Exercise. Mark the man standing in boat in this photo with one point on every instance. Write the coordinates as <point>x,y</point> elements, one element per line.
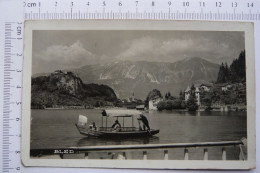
<point>145,122</point>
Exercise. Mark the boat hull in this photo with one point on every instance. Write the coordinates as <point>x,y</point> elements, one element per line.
<point>116,134</point>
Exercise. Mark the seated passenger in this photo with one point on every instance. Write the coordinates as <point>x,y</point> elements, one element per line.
<point>116,126</point>
<point>93,126</point>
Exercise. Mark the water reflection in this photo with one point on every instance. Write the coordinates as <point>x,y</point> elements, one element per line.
<point>56,128</point>
<point>91,141</point>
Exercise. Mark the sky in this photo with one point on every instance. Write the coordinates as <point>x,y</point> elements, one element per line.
<point>58,50</point>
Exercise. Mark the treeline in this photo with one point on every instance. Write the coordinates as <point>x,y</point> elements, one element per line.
<point>170,102</point>
<point>236,72</point>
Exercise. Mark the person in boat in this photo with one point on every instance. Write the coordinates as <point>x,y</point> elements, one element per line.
<point>93,126</point>
<point>145,122</point>
<point>116,126</point>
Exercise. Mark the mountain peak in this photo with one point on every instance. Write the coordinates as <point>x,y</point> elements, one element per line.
<point>141,77</point>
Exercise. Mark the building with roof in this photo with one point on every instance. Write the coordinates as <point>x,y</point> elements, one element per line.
<point>224,86</point>
<point>153,102</point>
<point>206,86</point>
<point>197,94</point>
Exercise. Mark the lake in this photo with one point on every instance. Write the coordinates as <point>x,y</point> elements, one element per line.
<point>56,129</point>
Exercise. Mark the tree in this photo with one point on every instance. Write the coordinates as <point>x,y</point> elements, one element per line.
<point>236,72</point>
<point>161,105</point>
<point>168,105</point>
<point>238,68</point>
<point>223,74</point>
<point>207,102</point>
<point>176,104</point>
<point>191,103</point>
<point>192,88</point>
<point>166,96</point>
<point>183,104</point>
<point>181,95</point>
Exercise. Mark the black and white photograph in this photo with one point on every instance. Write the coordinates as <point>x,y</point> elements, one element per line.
<point>165,92</point>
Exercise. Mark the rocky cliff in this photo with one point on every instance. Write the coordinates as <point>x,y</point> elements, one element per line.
<point>66,89</point>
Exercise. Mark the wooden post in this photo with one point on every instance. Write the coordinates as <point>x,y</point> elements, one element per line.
<point>166,156</point>
<point>224,154</point>
<point>124,155</point>
<point>186,154</point>
<point>145,155</point>
<point>241,154</point>
<point>86,155</point>
<point>61,156</point>
<point>206,154</point>
<point>106,123</point>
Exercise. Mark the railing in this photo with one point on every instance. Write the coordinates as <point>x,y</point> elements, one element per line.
<point>121,129</point>
<point>84,151</point>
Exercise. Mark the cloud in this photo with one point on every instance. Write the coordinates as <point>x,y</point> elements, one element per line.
<point>74,52</point>
<point>170,50</point>
<point>62,57</point>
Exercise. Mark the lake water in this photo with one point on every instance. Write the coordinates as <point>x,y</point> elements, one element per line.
<point>56,129</point>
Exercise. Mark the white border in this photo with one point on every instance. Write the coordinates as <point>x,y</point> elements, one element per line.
<point>248,28</point>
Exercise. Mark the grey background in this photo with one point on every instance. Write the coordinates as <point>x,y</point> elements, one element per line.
<point>54,50</point>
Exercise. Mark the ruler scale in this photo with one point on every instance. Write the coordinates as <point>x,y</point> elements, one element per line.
<point>240,10</point>
<point>12,94</point>
<point>11,42</point>
<point>14,12</point>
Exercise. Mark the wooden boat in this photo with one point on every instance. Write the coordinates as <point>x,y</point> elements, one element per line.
<point>112,132</point>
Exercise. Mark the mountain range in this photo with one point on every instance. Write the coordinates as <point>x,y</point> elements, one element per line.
<point>128,78</point>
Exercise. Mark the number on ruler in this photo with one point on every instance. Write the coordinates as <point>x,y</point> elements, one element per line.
<point>19,30</point>
<point>18,103</point>
<point>17,152</point>
<point>56,4</point>
<point>218,4</point>
<point>250,4</point>
<point>169,3</point>
<point>120,3</point>
<point>31,4</point>
<point>88,3</point>
<point>153,3</point>
<point>202,4</point>
<point>234,4</point>
<point>71,4</point>
<point>136,3</point>
<point>186,4</point>
<point>104,3</point>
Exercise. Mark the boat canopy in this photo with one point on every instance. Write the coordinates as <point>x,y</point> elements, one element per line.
<point>120,113</point>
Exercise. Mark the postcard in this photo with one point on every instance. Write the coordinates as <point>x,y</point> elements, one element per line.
<point>139,94</point>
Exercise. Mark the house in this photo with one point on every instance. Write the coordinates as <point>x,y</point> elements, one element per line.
<point>197,94</point>
<point>140,107</point>
<point>224,86</point>
<point>206,87</point>
<point>187,93</point>
<point>153,102</point>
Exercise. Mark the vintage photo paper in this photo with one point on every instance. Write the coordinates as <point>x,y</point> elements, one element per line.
<point>139,94</point>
